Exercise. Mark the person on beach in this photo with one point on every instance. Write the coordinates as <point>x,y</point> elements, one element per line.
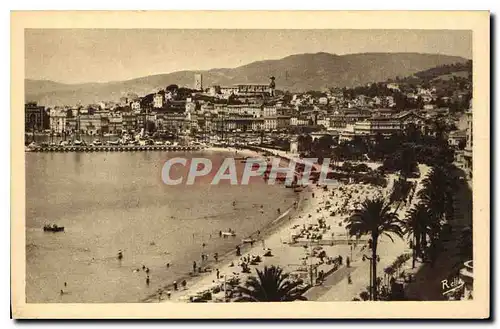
<point>160,292</point>
<point>65,284</point>
<point>238,251</point>
<point>168,265</point>
<point>147,270</point>
<point>194,267</point>
<point>220,234</point>
<point>143,267</point>
<point>120,255</point>
<point>183,283</point>
<point>349,280</point>
<point>175,285</point>
<point>216,257</point>
<point>218,274</point>
<point>147,280</point>
<point>169,294</point>
<point>348,262</point>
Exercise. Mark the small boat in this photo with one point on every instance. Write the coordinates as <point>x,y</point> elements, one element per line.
<point>228,234</point>
<point>248,240</point>
<point>53,228</point>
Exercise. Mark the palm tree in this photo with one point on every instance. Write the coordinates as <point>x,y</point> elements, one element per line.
<point>271,285</point>
<point>375,218</point>
<point>415,227</point>
<point>305,143</point>
<point>437,196</point>
<point>441,184</point>
<point>439,129</point>
<point>400,191</point>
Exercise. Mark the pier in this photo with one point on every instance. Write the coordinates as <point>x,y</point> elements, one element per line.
<point>114,148</point>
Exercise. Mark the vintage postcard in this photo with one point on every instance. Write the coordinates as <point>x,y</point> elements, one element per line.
<point>186,165</point>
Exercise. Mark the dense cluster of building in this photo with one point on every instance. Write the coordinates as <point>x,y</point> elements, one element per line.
<point>247,108</point>
<point>463,157</point>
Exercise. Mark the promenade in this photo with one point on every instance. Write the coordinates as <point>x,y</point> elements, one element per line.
<point>292,251</point>
<point>336,286</point>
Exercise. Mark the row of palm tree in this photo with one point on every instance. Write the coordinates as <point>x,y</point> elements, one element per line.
<point>425,221</point>
<point>375,218</point>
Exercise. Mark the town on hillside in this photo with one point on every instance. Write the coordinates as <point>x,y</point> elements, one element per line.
<point>341,178</point>
<point>434,101</point>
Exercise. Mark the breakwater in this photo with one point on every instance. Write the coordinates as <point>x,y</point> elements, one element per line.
<point>107,148</point>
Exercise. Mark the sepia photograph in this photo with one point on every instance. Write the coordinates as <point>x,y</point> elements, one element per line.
<point>171,166</point>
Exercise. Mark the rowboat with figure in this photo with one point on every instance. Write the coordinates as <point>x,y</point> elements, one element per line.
<point>53,228</point>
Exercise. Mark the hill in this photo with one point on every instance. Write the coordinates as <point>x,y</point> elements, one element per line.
<point>294,73</point>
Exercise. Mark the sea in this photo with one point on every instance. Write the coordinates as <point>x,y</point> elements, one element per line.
<point>116,201</point>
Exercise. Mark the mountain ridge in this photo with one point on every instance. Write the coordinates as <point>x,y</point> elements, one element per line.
<point>296,73</point>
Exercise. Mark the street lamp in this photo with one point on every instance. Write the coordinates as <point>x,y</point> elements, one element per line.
<point>372,287</point>
<point>225,288</point>
<point>309,251</point>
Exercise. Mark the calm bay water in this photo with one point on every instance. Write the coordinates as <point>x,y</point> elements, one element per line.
<point>112,201</point>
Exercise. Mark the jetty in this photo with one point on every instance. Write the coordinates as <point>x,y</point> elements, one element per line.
<point>111,148</point>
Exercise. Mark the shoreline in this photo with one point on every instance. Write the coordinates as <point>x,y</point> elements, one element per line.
<point>266,231</point>
<point>272,227</point>
<point>317,204</point>
<point>270,238</point>
<point>124,285</point>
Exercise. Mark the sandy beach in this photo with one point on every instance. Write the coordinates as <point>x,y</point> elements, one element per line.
<point>309,240</point>
<point>306,240</point>
<point>209,266</point>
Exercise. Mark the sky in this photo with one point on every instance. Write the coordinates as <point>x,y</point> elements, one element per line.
<point>101,55</point>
